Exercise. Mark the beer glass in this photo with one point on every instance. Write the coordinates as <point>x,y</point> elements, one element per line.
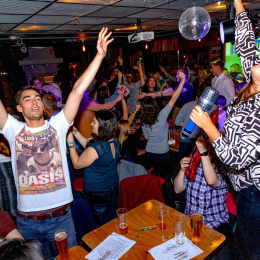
<point>161,210</point>
<point>196,227</point>
<point>61,241</point>
<point>121,218</point>
<point>179,229</point>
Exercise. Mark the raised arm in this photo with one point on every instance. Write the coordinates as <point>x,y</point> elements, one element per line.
<point>3,115</point>
<point>179,184</point>
<point>178,90</point>
<point>132,116</point>
<point>245,45</point>
<point>72,104</point>
<point>82,140</point>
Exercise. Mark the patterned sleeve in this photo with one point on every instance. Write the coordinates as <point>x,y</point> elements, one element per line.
<point>246,48</point>
<point>246,151</point>
<point>221,171</point>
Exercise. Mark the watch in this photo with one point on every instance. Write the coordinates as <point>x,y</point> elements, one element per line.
<point>204,154</point>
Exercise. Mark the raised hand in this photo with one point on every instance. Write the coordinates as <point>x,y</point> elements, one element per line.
<point>120,60</point>
<point>103,41</point>
<point>119,97</point>
<point>182,76</point>
<point>137,107</point>
<point>200,118</point>
<point>163,70</point>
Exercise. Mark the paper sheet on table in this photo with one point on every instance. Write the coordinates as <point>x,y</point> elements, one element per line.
<point>112,248</point>
<point>170,250</point>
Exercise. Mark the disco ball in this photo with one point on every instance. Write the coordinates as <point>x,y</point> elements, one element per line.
<point>194,23</point>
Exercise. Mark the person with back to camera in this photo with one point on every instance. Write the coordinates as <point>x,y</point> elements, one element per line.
<point>155,129</point>
<point>101,181</point>
<point>240,147</point>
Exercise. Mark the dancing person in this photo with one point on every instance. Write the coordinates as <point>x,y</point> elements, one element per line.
<point>155,129</point>
<point>239,148</point>
<point>42,180</point>
<point>99,160</point>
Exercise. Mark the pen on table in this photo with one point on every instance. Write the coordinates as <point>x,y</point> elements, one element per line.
<point>146,228</point>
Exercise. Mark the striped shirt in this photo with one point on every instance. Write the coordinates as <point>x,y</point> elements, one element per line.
<point>207,200</point>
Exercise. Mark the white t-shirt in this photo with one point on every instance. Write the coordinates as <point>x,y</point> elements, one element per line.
<point>39,163</point>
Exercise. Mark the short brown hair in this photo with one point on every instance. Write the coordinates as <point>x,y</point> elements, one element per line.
<point>218,63</point>
<point>21,90</point>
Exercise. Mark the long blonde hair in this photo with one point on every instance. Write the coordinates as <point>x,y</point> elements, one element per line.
<point>122,131</point>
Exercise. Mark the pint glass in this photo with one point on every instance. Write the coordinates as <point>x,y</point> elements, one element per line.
<point>61,241</point>
<point>196,227</point>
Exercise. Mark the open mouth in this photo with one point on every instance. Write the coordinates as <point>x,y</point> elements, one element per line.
<point>36,109</point>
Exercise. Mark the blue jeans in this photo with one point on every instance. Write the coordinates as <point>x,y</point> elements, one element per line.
<point>44,230</point>
<point>248,219</point>
<point>83,217</point>
<point>104,203</point>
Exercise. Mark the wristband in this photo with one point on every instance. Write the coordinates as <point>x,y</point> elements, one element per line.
<point>204,154</point>
<point>68,143</point>
<point>71,146</point>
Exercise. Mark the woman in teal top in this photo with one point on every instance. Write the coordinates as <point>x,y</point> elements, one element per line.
<point>101,181</point>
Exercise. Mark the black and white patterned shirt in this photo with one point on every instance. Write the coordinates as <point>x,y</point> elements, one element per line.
<point>246,48</point>
<point>240,148</point>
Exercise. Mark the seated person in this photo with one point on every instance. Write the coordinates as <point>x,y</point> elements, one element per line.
<point>207,193</point>
<point>8,228</point>
<point>221,103</point>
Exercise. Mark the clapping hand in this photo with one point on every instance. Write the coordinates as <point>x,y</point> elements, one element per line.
<point>103,41</point>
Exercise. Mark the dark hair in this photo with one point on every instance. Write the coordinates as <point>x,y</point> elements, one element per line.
<point>32,81</point>
<point>245,93</point>
<point>107,127</point>
<point>156,88</point>
<point>57,79</point>
<point>21,90</point>
<point>221,100</point>
<point>199,92</point>
<point>149,112</point>
<point>20,250</point>
<point>186,71</point>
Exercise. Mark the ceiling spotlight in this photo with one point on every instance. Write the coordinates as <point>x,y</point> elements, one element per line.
<point>227,31</point>
<point>83,46</point>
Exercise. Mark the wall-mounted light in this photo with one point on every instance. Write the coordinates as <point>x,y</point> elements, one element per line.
<point>199,40</point>
<point>146,46</point>
<point>83,46</point>
<point>219,2</point>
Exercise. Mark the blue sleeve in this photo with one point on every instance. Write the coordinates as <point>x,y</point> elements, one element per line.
<point>113,97</point>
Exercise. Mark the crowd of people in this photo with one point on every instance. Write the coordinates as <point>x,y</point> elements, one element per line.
<point>104,130</point>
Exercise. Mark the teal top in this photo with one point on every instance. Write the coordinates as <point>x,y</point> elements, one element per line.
<point>102,173</point>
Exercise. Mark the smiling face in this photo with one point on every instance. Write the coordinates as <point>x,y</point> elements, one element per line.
<point>151,84</point>
<point>95,125</point>
<point>31,105</point>
<point>37,83</point>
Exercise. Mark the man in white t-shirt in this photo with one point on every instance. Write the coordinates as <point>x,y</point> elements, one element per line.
<point>221,82</point>
<point>38,147</point>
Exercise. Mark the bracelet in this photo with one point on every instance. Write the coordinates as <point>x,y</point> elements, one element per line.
<point>71,146</point>
<point>68,143</point>
<point>204,154</point>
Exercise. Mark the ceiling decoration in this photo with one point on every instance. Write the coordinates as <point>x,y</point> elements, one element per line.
<point>70,18</point>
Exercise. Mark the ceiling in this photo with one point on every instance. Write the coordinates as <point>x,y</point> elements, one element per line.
<point>82,19</point>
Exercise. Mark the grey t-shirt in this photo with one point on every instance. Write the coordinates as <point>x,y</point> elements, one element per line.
<point>184,116</point>
<point>158,133</point>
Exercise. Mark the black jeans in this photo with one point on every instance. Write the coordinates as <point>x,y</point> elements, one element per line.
<point>248,218</point>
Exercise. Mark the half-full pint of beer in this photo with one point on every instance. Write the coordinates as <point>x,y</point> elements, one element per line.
<point>196,227</point>
<point>61,241</point>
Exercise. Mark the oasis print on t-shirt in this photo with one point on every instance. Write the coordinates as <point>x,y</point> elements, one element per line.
<point>39,162</point>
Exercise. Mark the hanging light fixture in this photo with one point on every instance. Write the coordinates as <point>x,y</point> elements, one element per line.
<point>83,46</point>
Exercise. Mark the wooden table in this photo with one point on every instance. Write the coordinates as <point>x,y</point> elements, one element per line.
<point>76,253</point>
<point>145,215</point>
